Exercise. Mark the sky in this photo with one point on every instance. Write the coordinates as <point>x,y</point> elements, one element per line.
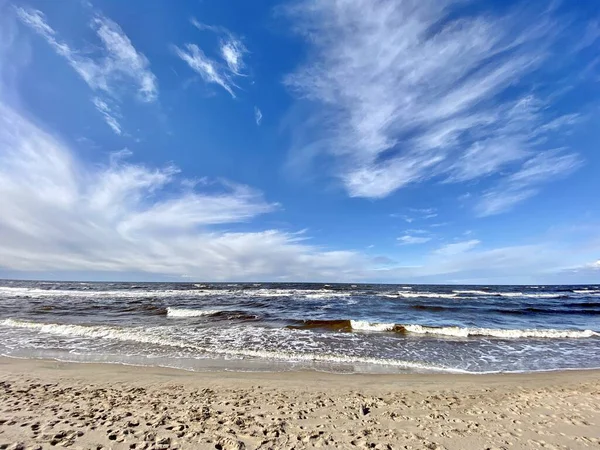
<point>414,141</point>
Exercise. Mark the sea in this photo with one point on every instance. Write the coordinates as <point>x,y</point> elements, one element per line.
<point>342,328</point>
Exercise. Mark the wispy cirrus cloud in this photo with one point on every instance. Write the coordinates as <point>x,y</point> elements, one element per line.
<point>110,116</point>
<point>457,248</point>
<point>408,239</point>
<point>119,60</point>
<point>117,65</point>
<point>258,115</point>
<point>416,91</point>
<point>231,48</point>
<point>418,214</point>
<point>527,181</point>
<point>208,69</point>
<point>231,51</point>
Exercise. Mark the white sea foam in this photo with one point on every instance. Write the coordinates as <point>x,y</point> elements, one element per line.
<point>586,291</point>
<point>40,293</point>
<point>528,295</point>
<point>426,295</point>
<point>473,292</point>
<point>363,325</point>
<point>510,294</point>
<point>6,291</point>
<point>500,333</point>
<point>145,336</point>
<point>185,312</point>
<point>324,295</point>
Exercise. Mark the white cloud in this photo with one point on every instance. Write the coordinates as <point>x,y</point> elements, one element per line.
<point>457,248</point>
<point>231,51</point>
<point>118,64</point>
<point>231,47</point>
<point>409,91</point>
<point>526,182</point>
<point>59,214</point>
<point>408,239</point>
<point>208,69</point>
<point>122,60</point>
<point>257,115</point>
<point>109,115</point>
<point>119,61</point>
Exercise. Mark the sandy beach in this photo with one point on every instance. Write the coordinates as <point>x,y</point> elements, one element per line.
<point>92,406</point>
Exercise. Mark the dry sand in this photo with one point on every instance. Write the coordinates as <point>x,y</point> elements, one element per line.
<point>46,403</point>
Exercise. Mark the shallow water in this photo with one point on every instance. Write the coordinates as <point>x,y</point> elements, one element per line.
<point>284,326</point>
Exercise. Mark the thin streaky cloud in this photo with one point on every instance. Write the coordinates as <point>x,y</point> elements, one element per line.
<point>119,61</point>
<point>410,91</point>
<point>409,240</point>
<point>527,181</point>
<point>109,115</point>
<point>258,116</point>
<point>456,248</point>
<point>231,50</point>
<point>124,59</point>
<point>204,27</point>
<point>208,69</point>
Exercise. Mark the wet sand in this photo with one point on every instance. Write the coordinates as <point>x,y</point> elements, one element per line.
<point>47,404</point>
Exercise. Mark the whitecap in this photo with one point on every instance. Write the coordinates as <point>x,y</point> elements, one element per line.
<point>185,312</point>
<point>500,333</point>
<point>363,325</point>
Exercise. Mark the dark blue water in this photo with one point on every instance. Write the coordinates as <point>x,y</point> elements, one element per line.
<point>284,326</point>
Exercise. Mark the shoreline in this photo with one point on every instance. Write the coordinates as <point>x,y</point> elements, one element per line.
<point>80,367</point>
<point>87,405</point>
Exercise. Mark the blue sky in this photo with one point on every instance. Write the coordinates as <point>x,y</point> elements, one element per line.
<point>305,140</point>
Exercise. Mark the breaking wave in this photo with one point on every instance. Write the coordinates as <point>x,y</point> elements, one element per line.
<point>563,293</point>
<point>202,291</point>
<point>580,308</point>
<point>422,295</point>
<point>499,333</point>
<point>183,313</point>
<point>362,325</point>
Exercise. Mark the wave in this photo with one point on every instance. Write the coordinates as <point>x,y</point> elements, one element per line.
<point>144,336</point>
<point>563,294</point>
<point>138,293</point>
<point>470,294</point>
<point>473,292</point>
<point>584,309</point>
<point>422,295</point>
<point>6,291</point>
<point>183,313</point>
<point>362,325</point>
<point>332,325</point>
<point>528,295</point>
<point>431,307</point>
<point>499,333</point>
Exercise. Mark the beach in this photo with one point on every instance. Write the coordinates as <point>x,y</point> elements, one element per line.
<point>46,404</point>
